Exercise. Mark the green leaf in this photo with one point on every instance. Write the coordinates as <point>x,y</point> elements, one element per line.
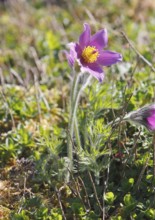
<point>128,199</point>
<point>109,197</point>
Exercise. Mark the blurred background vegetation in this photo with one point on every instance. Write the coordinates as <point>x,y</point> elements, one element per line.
<point>113,175</point>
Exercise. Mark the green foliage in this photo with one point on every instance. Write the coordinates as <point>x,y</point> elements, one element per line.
<point>109,198</point>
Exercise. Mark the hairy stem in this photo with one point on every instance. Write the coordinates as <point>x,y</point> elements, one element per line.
<point>77,134</point>
<point>75,97</point>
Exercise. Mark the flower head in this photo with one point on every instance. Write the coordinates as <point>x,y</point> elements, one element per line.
<point>144,116</point>
<point>90,54</point>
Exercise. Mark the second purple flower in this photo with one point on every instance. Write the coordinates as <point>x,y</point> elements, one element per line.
<point>143,116</point>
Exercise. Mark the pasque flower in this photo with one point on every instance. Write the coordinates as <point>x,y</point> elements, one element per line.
<point>90,54</point>
<point>144,116</point>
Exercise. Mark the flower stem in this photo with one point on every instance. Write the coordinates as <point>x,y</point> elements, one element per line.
<point>77,135</point>
<point>74,88</point>
<point>74,102</point>
<point>75,97</point>
<point>75,105</point>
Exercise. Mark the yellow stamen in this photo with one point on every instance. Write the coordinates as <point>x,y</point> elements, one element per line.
<point>90,54</point>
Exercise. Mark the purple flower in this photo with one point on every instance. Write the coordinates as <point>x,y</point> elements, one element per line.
<point>90,54</point>
<point>144,116</point>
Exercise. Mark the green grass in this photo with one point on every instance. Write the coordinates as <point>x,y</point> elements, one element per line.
<point>114,169</point>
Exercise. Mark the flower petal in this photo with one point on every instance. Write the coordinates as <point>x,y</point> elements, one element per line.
<point>70,58</point>
<point>100,39</point>
<point>107,58</point>
<point>95,70</point>
<point>71,55</point>
<point>151,121</point>
<point>78,50</point>
<point>85,36</point>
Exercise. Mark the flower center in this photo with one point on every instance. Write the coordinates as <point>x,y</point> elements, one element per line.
<point>90,54</point>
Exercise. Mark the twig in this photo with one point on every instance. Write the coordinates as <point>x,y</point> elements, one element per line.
<point>37,61</point>
<point>118,121</point>
<point>86,194</point>
<point>78,193</point>
<point>95,192</point>
<point>105,183</point>
<point>90,15</point>
<point>42,96</point>
<point>36,84</point>
<point>5,100</point>
<point>60,203</point>
<point>141,173</point>
<point>17,76</point>
<point>138,53</point>
<point>24,194</point>
<point>105,188</point>
<point>132,74</point>
<point>133,150</point>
